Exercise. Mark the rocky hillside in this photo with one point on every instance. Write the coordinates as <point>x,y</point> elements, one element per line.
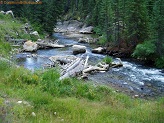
<point>13,33</point>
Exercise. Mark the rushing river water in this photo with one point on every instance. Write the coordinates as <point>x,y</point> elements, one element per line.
<point>134,76</point>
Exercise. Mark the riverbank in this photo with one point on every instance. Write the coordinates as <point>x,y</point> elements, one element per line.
<point>41,97</point>
<point>133,78</point>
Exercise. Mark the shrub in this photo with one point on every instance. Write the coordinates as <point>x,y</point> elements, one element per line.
<point>102,40</point>
<point>146,50</point>
<point>107,60</point>
<point>97,30</point>
<point>159,62</point>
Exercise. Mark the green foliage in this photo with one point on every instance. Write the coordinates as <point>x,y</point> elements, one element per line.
<point>102,40</point>
<point>107,60</point>
<point>3,65</point>
<point>5,48</point>
<point>67,87</point>
<point>145,50</point>
<point>159,62</point>
<point>98,30</point>
<point>43,15</point>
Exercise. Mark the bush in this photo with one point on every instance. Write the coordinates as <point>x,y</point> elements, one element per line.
<point>159,62</point>
<point>107,60</point>
<point>97,30</point>
<point>146,50</point>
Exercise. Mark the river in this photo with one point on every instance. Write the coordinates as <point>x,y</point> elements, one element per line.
<point>133,76</point>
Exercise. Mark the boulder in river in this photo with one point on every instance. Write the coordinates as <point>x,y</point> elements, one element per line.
<point>83,40</point>
<point>30,46</point>
<point>98,50</point>
<point>49,45</point>
<point>87,30</point>
<point>78,49</point>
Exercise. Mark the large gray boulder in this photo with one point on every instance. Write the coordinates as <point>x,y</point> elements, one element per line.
<point>30,46</point>
<point>98,50</point>
<point>83,40</point>
<point>87,30</point>
<point>78,49</point>
<point>68,26</point>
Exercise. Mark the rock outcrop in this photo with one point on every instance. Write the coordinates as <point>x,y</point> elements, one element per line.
<point>68,26</point>
<point>98,50</point>
<point>30,46</point>
<point>87,30</point>
<point>78,49</point>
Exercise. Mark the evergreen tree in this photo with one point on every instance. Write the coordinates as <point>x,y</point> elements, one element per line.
<point>137,21</point>
<point>158,24</point>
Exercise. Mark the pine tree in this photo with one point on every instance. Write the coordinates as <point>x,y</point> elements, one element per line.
<point>158,24</point>
<point>137,21</point>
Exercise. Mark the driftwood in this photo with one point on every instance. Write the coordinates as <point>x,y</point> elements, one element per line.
<point>50,45</point>
<point>72,66</point>
<point>116,65</point>
<point>99,67</point>
<point>64,59</point>
<point>76,68</point>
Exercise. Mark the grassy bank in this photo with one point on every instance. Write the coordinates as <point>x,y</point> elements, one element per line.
<point>14,28</point>
<point>70,100</point>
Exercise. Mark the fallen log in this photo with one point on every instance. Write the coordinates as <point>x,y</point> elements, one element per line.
<point>86,62</point>
<point>72,66</point>
<point>51,45</point>
<point>94,68</point>
<point>73,70</point>
<point>116,65</point>
<point>62,59</point>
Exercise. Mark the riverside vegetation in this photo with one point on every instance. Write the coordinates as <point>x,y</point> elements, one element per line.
<point>40,96</point>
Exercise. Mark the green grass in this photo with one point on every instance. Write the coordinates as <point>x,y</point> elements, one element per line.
<point>12,27</point>
<point>73,100</point>
<point>108,60</point>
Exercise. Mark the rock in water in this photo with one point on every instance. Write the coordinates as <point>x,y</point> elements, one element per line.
<point>30,46</point>
<point>87,30</point>
<point>98,50</point>
<point>78,49</point>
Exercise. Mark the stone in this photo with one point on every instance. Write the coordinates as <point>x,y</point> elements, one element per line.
<point>9,13</point>
<point>136,96</point>
<point>98,50</point>
<point>33,114</point>
<point>35,33</point>
<point>78,49</point>
<point>87,30</point>
<point>30,46</point>
<point>39,40</point>
<point>19,102</point>
<point>83,40</point>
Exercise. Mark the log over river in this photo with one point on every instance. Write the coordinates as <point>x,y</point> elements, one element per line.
<point>133,77</point>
